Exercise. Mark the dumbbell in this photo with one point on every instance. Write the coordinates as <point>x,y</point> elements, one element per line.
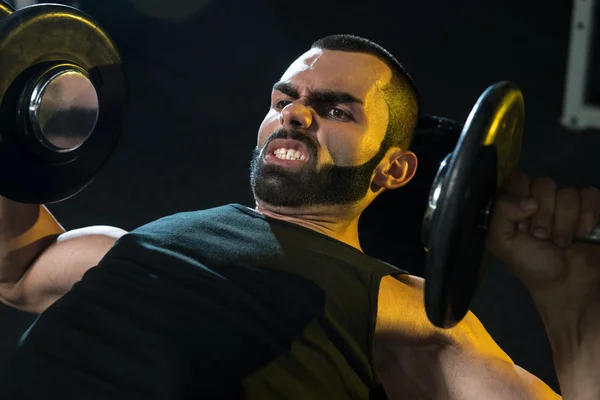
<point>62,101</point>
<point>461,199</point>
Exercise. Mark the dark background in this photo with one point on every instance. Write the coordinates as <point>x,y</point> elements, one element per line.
<point>200,73</point>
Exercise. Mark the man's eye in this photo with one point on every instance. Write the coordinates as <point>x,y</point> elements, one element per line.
<point>281,104</point>
<point>338,114</point>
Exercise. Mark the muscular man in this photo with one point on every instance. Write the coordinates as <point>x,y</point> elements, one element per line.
<point>279,301</point>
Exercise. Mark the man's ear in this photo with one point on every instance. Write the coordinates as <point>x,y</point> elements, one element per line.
<point>396,169</point>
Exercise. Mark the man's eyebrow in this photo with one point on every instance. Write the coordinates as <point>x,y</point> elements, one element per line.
<point>286,89</point>
<point>320,96</point>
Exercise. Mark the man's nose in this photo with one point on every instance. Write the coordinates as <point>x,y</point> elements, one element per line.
<point>294,116</point>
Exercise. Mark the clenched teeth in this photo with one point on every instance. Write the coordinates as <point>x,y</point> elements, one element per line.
<point>289,154</point>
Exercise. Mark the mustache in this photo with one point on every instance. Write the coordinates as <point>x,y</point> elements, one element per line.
<point>297,135</point>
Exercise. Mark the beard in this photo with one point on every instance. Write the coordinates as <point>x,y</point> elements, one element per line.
<point>309,186</point>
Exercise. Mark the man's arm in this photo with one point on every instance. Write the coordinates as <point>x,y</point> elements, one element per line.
<point>571,318</point>
<point>418,360</point>
<point>561,272</point>
<point>39,261</point>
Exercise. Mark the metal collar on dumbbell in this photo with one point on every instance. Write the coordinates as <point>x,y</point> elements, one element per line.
<point>62,108</point>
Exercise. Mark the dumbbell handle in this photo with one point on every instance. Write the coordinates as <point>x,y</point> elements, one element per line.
<point>593,237</point>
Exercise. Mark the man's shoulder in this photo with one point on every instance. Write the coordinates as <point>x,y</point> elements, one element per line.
<point>189,218</point>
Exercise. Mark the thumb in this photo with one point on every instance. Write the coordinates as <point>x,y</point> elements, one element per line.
<point>508,212</point>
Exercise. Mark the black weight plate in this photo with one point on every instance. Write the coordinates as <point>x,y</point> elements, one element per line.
<point>483,157</point>
<point>49,34</point>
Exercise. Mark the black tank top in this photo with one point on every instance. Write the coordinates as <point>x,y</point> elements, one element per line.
<point>221,303</point>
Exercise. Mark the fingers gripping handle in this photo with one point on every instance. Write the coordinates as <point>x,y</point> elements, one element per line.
<point>593,237</point>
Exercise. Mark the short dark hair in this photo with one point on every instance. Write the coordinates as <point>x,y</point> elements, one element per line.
<point>401,94</point>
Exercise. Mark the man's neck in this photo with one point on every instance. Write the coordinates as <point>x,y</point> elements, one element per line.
<point>337,222</point>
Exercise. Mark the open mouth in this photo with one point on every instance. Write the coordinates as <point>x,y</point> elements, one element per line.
<point>287,150</point>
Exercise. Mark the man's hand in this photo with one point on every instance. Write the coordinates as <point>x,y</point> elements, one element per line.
<point>533,231</point>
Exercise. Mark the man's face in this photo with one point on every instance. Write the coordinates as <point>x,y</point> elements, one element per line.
<point>320,141</point>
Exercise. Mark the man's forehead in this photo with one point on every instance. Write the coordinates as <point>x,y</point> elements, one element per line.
<point>338,70</point>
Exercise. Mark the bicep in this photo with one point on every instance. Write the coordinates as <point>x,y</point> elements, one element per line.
<point>496,364</point>
<point>458,375</point>
<point>462,371</point>
<point>60,266</point>
<point>468,332</point>
<point>463,362</point>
